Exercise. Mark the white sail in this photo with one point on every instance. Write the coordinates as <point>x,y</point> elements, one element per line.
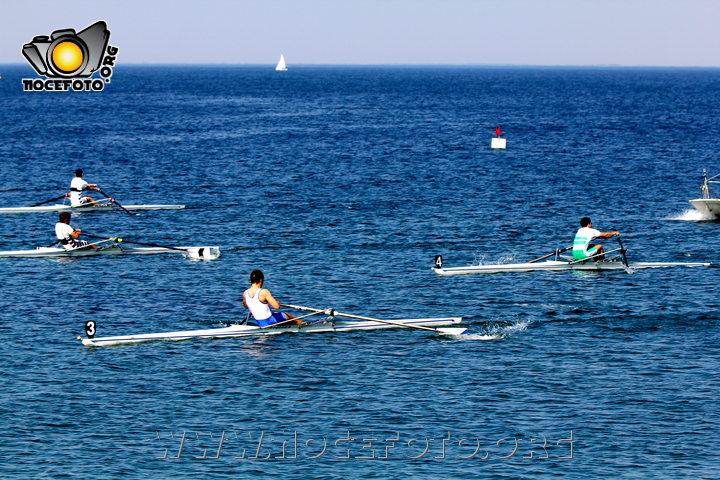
<point>281,64</point>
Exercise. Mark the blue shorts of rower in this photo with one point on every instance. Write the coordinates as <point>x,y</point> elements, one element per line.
<point>276,317</point>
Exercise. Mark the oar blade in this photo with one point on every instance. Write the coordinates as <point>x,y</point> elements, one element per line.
<point>203,253</point>
<point>452,331</point>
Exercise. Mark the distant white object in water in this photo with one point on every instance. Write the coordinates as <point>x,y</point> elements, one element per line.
<point>281,64</point>
<point>707,203</point>
<point>497,142</point>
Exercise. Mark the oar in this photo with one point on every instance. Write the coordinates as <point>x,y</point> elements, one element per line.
<point>556,252</point>
<point>112,200</point>
<point>442,331</point>
<point>622,252</point>
<point>294,319</point>
<point>195,252</point>
<point>51,200</point>
<point>115,239</point>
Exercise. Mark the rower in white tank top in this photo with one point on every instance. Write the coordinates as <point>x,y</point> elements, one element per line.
<point>259,301</point>
<point>260,310</point>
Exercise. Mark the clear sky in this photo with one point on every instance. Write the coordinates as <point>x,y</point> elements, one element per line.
<point>451,32</point>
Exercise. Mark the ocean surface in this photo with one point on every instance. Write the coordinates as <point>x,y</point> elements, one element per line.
<point>341,184</point>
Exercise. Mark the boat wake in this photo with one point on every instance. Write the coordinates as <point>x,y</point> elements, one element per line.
<point>693,215</point>
<point>477,336</point>
<point>499,331</point>
<point>480,260</point>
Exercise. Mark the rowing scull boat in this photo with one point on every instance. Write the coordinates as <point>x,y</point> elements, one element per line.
<point>207,253</point>
<point>326,325</point>
<point>618,261</point>
<point>102,207</point>
<point>558,265</point>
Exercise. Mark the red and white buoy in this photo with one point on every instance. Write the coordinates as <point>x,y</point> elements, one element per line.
<point>497,142</point>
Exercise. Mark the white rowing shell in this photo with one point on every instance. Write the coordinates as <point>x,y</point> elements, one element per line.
<point>555,265</point>
<point>87,208</point>
<point>208,253</point>
<point>247,330</point>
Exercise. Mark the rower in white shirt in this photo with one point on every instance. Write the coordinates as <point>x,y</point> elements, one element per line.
<point>68,236</point>
<point>582,248</point>
<point>76,188</point>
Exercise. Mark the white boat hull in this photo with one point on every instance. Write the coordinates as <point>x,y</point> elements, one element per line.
<point>252,330</point>
<point>707,205</point>
<point>103,207</point>
<point>557,265</point>
<point>193,252</point>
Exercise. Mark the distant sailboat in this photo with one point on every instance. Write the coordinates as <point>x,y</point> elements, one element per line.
<point>281,64</point>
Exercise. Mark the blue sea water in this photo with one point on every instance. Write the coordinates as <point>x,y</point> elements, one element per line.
<point>342,184</point>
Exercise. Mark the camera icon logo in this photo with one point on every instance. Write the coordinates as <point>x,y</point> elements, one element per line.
<point>68,54</point>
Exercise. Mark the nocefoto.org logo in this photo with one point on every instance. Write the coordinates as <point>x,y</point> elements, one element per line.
<point>68,59</point>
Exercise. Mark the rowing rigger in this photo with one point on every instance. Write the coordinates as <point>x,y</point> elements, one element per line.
<point>560,263</point>
<point>323,325</point>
